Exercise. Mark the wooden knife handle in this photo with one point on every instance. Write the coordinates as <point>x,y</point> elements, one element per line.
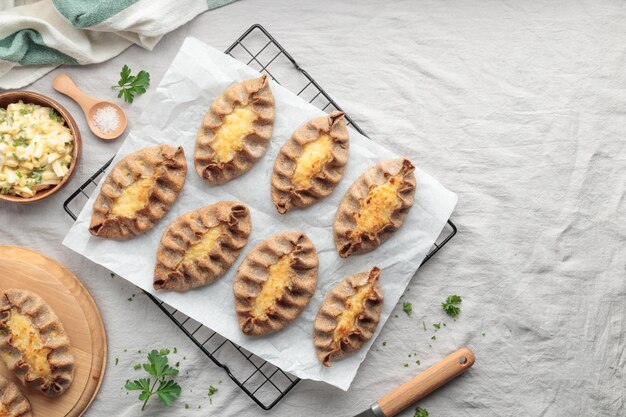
<point>426,382</point>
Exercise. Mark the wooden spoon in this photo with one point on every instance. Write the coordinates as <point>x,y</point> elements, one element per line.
<point>64,84</point>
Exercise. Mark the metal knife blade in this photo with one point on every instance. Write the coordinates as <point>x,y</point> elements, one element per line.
<point>373,411</point>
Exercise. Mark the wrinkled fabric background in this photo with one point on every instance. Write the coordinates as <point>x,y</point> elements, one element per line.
<point>519,107</point>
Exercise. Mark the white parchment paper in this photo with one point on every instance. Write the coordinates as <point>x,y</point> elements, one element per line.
<point>196,77</point>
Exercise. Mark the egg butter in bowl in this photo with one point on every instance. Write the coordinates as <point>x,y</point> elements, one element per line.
<point>40,146</point>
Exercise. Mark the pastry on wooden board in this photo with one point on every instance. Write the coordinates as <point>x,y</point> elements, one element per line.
<point>138,192</point>
<point>200,246</point>
<point>275,282</point>
<point>13,403</point>
<point>236,131</point>
<point>374,207</point>
<point>34,344</point>
<point>348,316</point>
<point>311,163</point>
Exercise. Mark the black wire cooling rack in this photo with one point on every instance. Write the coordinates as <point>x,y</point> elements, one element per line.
<point>263,382</point>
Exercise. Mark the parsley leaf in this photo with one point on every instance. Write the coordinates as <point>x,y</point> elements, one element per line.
<point>55,116</point>
<point>167,391</point>
<point>408,308</point>
<point>212,390</point>
<point>131,85</point>
<point>20,142</point>
<point>450,307</point>
<point>35,177</point>
<point>421,412</point>
<point>5,190</point>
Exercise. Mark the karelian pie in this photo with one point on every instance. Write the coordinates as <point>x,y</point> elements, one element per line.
<point>275,282</point>
<point>236,131</point>
<point>33,343</point>
<point>138,192</point>
<point>348,317</point>
<point>200,246</point>
<point>374,207</point>
<point>12,402</point>
<point>311,163</point>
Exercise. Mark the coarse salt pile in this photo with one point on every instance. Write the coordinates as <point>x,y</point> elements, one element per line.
<point>106,119</point>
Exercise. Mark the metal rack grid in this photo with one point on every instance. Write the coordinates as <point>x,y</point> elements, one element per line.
<point>263,382</point>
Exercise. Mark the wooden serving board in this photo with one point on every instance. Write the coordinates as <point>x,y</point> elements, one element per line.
<point>72,303</point>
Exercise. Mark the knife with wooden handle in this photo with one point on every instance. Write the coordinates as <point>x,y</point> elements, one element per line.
<point>423,384</point>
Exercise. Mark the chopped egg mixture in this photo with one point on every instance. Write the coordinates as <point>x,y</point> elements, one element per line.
<point>229,136</point>
<point>310,162</point>
<point>205,244</point>
<point>35,149</point>
<point>26,338</point>
<point>133,198</point>
<point>354,307</point>
<point>376,209</point>
<point>280,277</point>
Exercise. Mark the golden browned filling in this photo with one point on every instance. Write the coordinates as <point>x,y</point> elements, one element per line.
<point>133,198</point>
<point>206,243</point>
<point>353,308</point>
<point>376,209</point>
<point>25,337</point>
<point>280,278</point>
<point>310,162</point>
<point>229,136</point>
<point>4,411</point>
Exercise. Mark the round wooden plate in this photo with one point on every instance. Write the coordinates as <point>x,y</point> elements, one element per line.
<point>72,303</point>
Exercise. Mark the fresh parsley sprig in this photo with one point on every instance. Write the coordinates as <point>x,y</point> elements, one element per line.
<point>450,305</point>
<point>407,307</point>
<point>131,85</point>
<point>166,389</point>
<point>421,412</point>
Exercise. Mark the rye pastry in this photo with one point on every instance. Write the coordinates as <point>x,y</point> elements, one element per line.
<point>33,343</point>
<point>12,402</point>
<point>275,282</point>
<point>348,317</point>
<point>200,246</point>
<point>138,192</point>
<point>236,131</point>
<point>311,163</point>
<point>374,207</point>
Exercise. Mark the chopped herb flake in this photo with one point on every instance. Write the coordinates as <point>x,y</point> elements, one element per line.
<point>407,308</point>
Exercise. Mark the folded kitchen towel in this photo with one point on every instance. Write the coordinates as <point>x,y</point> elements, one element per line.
<point>36,36</point>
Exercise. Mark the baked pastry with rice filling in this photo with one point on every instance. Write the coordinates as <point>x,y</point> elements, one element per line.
<point>34,344</point>
<point>374,207</point>
<point>200,246</point>
<point>138,192</point>
<point>348,316</point>
<point>311,163</point>
<point>275,282</point>
<point>236,131</point>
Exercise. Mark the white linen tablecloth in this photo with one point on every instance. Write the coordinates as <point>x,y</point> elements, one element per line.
<point>516,106</point>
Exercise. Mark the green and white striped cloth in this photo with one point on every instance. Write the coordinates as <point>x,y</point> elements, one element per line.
<point>36,36</point>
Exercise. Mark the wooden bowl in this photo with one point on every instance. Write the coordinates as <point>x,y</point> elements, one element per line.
<point>36,98</point>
